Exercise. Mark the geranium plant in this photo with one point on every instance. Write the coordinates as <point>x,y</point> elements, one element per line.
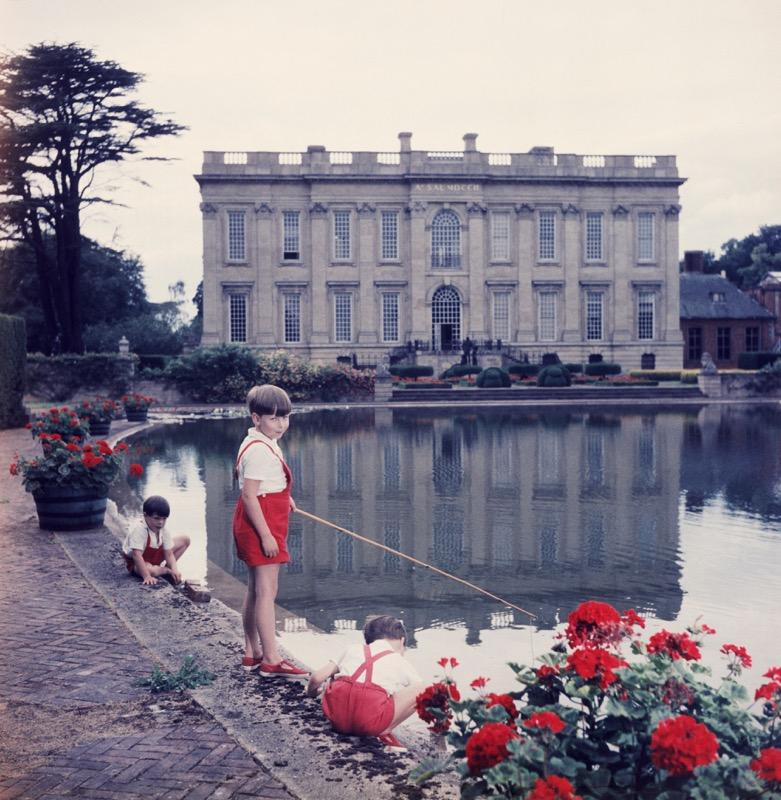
<point>64,422</point>
<point>137,402</point>
<point>73,465</point>
<point>101,409</point>
<point>608,715</point>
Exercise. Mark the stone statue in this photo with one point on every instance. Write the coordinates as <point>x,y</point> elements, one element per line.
<point>708,367</point>
<point>383,370</point>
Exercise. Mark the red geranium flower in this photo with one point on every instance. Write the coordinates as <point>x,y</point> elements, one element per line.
<point>74,448</point>
<point>590,662</point>
<point>136,470</point>
<point>90,460</point>
<point>435,696</point>
<point>774,673</point>
<point>13,469</point>
<point>674,645</point>
<point>488,746</point>
<point>121,447</point>
<point>453,692</point>
<point>681,744</point>
<point>768,691</point>
<point>545,672</point>
<point>740,653</point>
<point>104,448</point>
<point>503,700</point>
<point>479,682</point>
<point>552,788</point>
<point>631,618</point>
<point>708,629</point>
<point>768,765</point>
<point>545,719</point>
<point>596,624</point>
<point>29,426</point>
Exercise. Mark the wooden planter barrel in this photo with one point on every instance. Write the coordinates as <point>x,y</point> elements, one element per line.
<point>99,429</point>
<point>64,508</point>
<point>136,415</point>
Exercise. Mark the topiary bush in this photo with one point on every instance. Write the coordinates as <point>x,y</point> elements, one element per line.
<point>553,376</point>
<point>13,355</point>
<point>493,378</point>
<point>524,370</point>
<point>603,368</point>
<point>756,360</point>
<point>412,370</point>
<point>459,370</point>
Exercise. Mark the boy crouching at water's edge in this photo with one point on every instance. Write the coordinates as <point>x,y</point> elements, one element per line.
<point>150,551</point>
<point>374,687</point>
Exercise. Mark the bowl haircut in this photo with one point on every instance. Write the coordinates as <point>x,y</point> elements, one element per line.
<point>268,399</point>
<point>384,627</point>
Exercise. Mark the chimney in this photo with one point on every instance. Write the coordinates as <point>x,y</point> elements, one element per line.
<point>405,142</point>
<point>470,142</point>
<point>693,261</point>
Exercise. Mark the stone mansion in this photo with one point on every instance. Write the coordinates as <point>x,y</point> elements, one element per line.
<point>330,253</point>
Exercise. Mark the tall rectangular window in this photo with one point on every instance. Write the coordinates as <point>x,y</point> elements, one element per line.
<point>342,246</point>
<point>723,344</point>
<point>645,315</point>
<point>236,236</point>
<point>291,236</point>
<point>547,316</point>
<point>694,344</point>
<point>594,246</point>
<point>343,317</point>
<point>390,317</point>
<point>500,236</point>
<point>501,316</point>
<point>645,236</point>
<point>546,236</point>
<point>389,235</point>
<point>292,313</point>
<point>752,339</point>
<point>595,316</point>
<point>238,318</point>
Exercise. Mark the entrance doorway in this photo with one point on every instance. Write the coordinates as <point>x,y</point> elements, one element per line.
<point>445,319</point>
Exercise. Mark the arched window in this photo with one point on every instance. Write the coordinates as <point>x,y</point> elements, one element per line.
<point>446,240</point>
<point>445,318</point>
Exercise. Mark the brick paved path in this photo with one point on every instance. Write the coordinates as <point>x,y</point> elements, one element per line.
<point>72,724</point>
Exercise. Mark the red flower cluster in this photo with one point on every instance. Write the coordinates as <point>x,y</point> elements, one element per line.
<point>90,460</point>
<point>681,744</point>
<point>488,746</point>
<point>545,719</point>
<point>768,765</point>
<point>546,673</point>
<point>740,653</point>
<point>674,645</point>
<point>136,470</point>
<point>595,624</point>
<point>437,697</point>
<point>590,662</point>
<point>503,700</point>
<point>479,682</point>
<point>769,691</point>
<point>552,788</point>
<point>444,662</point>
<point>13,468</point>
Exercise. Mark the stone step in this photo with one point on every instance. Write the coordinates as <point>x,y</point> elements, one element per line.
<point>533,394</point>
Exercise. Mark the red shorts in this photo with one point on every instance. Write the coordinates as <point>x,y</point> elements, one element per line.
<point>152,555</point>
<point>276,511</point>
<point>358,709</point>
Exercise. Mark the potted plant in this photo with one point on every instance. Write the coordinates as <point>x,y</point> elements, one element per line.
<point>64,422</point>
<point>70,481</point>
<point>137,406</point>
<point>98,413</point>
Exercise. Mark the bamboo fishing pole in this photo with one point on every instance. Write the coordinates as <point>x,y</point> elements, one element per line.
<point>414,561</point>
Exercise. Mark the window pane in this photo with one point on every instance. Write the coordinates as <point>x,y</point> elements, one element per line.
<point>694,344</point>
<point>502,315</point>
<point>645,236</point>
<point>500,236</point>
<point>723,344</point>
<point>446,240</point>
<point>292,317</point>
<point>645,315</point>
<point>341,234</point>
<point>390,317</point>
<point>546,247</point>
<point>238,318</point>
<point>594,236</point>
<point>343,317</point>
<point>291,244</point>
<point>752,339</point>
<point>594,315</point>
<point>390,234</point>
<point>236,237</point>
<point>547,316</point>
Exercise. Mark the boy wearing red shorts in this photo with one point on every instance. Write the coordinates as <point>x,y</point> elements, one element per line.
<point>375,686</point>
<point>260,524</point>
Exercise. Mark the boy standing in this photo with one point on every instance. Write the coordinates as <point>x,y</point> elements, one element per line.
<point>150,551</point>
<point>376,687</point>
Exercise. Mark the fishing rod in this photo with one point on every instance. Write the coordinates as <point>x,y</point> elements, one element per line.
<point>414,561</point>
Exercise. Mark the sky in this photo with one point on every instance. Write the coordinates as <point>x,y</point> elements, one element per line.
<point>698,79</point>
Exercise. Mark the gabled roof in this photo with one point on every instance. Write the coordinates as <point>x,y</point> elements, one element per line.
<point>771,278</point>
<point>697,302</point>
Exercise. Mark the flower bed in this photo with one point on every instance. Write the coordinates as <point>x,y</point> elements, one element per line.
<point>606,715</point>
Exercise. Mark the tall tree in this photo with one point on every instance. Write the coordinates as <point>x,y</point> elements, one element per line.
<point>63,115</point>
<point>746,261</point>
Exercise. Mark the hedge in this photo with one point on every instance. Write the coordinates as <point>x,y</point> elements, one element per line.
<point>459,370</point>
<point>525,370</point>
<point>493,378</point>
<point>411,371</point>
<point>427,385</point>
<point>13,347</point>
<point>574,369</point>
<point>657,374</point>
<point>603,368</point>
<point>554,375</point>
<point>756,360</point>
<point>59,378</point>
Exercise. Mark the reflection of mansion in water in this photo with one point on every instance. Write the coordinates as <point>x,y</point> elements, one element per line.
<point>575,505</point>
<point>326,253</point>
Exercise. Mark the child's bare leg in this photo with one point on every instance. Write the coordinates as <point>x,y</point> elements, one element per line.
<point>181,543</point>
<point>267,585</point>
<point>251,643</point>
<point>404,704</point>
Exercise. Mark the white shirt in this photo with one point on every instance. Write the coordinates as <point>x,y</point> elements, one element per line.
<point>392,672</point>
<point>136,539</point>
<point>260,464</point>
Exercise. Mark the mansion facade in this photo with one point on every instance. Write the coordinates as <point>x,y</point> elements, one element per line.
<point>329,253</point>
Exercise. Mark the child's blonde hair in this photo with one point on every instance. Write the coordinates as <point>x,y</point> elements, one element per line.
<point>268,399</point>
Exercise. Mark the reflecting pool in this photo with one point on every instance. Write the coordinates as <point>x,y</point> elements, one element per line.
<point>674,513</point>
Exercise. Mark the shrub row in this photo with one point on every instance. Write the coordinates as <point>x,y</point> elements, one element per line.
<point>657,374</point>
<point>756,360</point>
<point>59,378</point>
<point>13,346</point>
<point>459,370</point>
<point>603,368</point>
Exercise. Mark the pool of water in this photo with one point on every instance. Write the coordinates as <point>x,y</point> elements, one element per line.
<point>674,513</point>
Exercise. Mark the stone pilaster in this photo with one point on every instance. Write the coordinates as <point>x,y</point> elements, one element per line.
<point>212,293</point>
<point>570,258</point>
<point>366,259</point>
<point>320,261</point>
<point>265,263</point>
<point>526,255</point>
<point>622,264</point>
<point>670,330</point>
<point>418,269</point>
<point>475,325</point>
